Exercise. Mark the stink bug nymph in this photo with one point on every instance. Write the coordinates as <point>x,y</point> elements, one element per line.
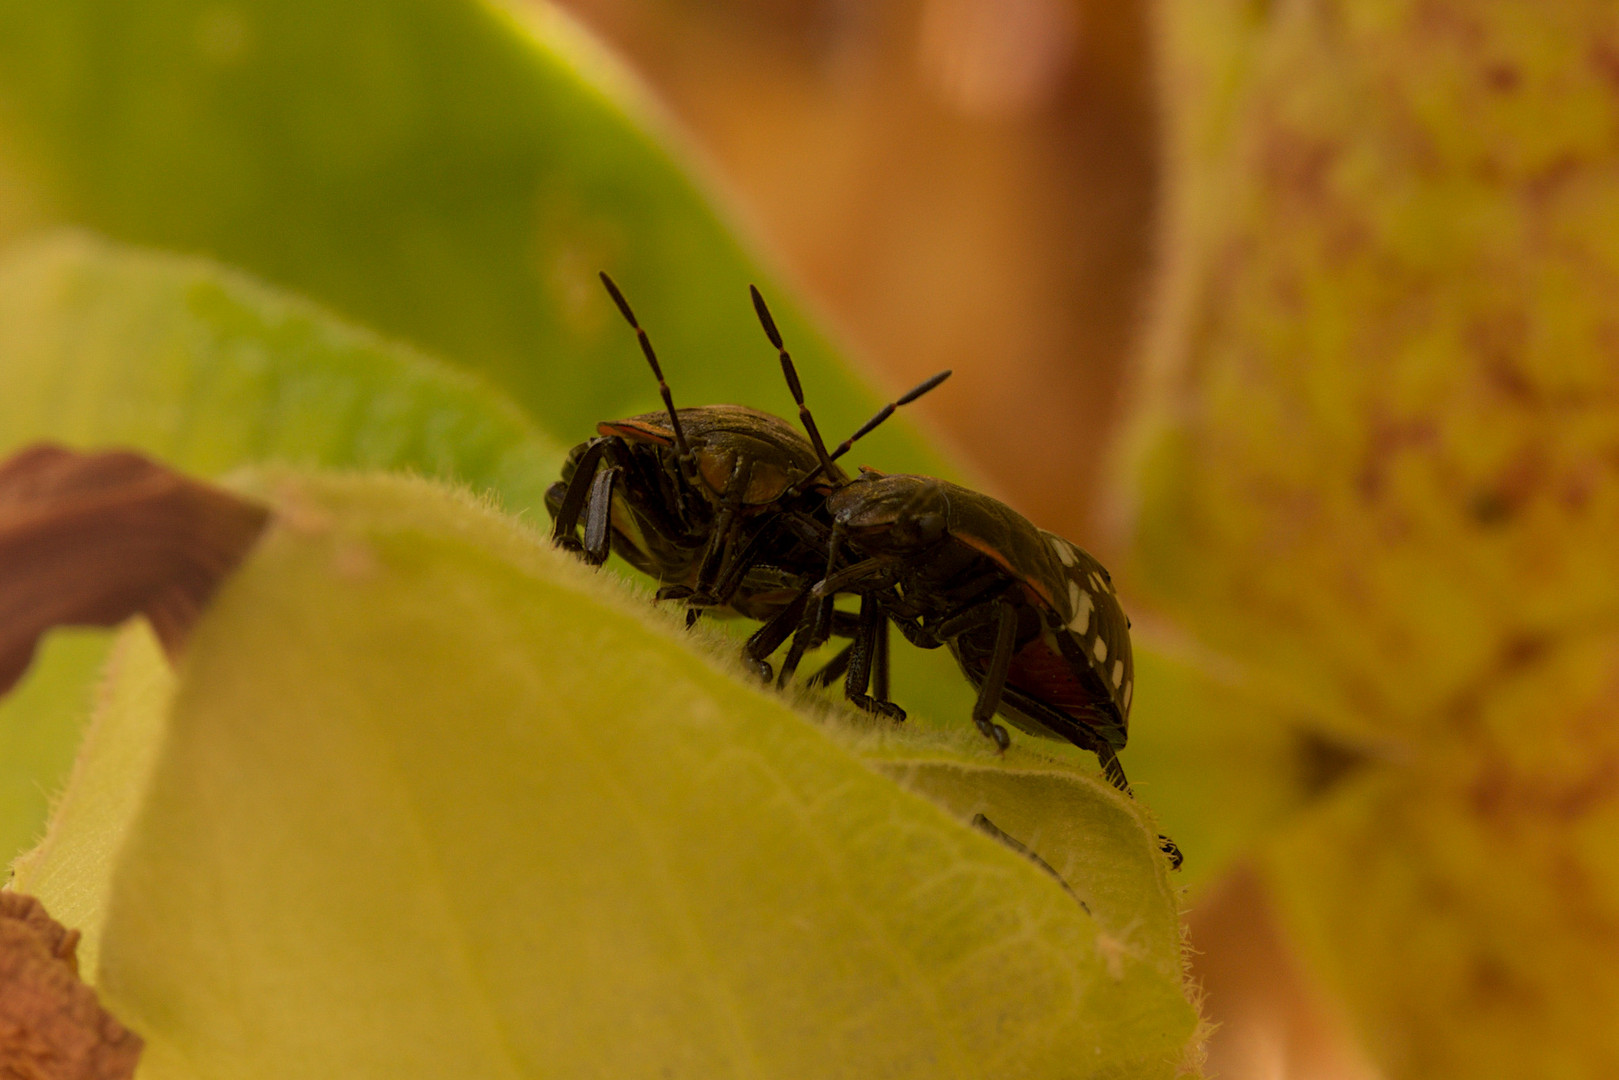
<point>1032,620</point>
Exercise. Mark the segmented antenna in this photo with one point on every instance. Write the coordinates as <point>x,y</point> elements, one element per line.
<point>682,450</point>
<point>888,410</point>
<point>866,429</point>
<point>804,416</point>
<point>793,384</point>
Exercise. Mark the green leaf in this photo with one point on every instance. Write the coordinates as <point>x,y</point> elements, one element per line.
<point>40,724</point>
<point>103,344</point>
<point>73,866</point>
<point>433,800</point>
<point>210,371</point>
<point>446,171</point>
<point>443,171</point>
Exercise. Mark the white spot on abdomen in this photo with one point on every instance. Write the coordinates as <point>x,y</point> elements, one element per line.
<point>1099,650</point>
<point>1080,601</point>
<point>1118,673</point>
<point>1064,550</point>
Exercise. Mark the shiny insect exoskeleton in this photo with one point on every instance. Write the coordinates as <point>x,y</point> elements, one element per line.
<point>1031,619</point>
<point>722,505</point>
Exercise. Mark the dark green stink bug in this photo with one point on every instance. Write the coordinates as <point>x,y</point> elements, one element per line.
<point>722,505</point>
<point>1032,620</point>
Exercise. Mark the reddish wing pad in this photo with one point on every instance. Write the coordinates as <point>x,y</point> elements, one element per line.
<point>1047,675</point>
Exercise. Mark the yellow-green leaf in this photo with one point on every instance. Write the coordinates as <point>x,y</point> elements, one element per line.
<point>102,344</point>
<point>72,868</point>
<point>40,721</point>
<point>1376,470</point>
<point>209,370</point>
<point>434,800</point>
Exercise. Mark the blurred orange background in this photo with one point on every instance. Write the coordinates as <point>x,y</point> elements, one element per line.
<point>974,184</point>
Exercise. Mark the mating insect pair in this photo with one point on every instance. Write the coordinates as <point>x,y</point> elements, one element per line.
<point>731,509</point>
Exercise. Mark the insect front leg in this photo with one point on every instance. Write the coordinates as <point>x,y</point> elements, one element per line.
<point>838,623</point>
<point>965,621</point>
<point>565,515</point>
<point>816,625</point>
<point>800,645</point>
<point>870,575</point>
<point>599,516</point>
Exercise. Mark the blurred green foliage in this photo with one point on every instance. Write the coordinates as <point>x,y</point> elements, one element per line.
<point>491,817</point>
<point>453,174</point>
<point>364,236</point>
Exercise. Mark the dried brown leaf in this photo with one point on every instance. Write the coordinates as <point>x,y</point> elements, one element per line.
<point>51,1025</point>
<point>91,539</point>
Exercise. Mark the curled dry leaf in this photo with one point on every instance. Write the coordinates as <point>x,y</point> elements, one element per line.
<point>51,1025</point>
<point>91,539</point>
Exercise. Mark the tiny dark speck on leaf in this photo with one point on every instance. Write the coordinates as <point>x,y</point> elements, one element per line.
<point>91,539</point>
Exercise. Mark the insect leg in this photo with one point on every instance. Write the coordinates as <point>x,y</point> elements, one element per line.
<point>1115,775</point>
<point>768,638</point>
<point>599,516</point>
<point>863,659</point>
<point>916,633</point>
<point>566,517</point>
<point>818,619</point>
<point>735,566</point>
<point>971,619</point>
<point>795,651</point>
<point>844,624</point>
<point>982,823</point>
<point>834,669</point>
<point>875,573</point>
<point>879,661</point>
<point>805,638</point>
<point>1000,662</point>
<point>872,575</point>
<point>1111,767</point>
<point>723,537</point>
<point>859,673</point>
